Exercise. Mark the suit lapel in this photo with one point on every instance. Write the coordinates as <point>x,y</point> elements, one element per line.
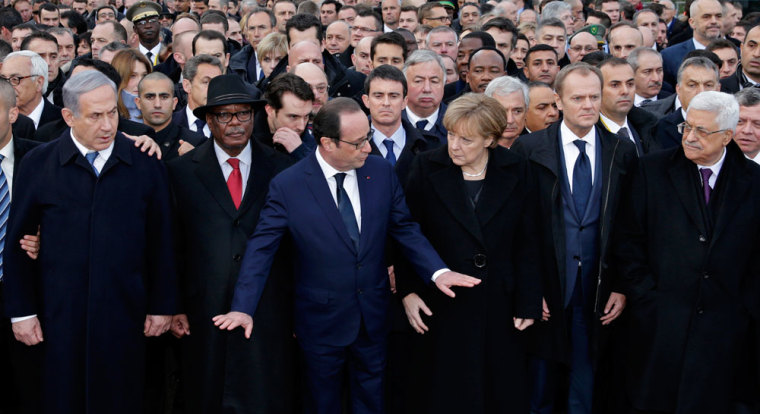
<point>736,185</point>
<point>681,176</point>
<point>364,182</point>
<point>317,184</point>
<point>259,175</point>
<point>210,174</point>
<point>497,187</point>
<point>447,183</point>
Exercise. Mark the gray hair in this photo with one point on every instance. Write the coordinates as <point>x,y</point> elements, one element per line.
<point>642,11</point>
<point>550,22</point>
<point>39,66</point>
<point>633,58</point>
<point>114,46</point>
<point>7,95</point>
<point>82,83</point>
<point>441,29</point>
<point>424,56</point>
<point>224,3</point>
<point>554,9</point>
<point>724,106</point>
<point>748,97</point>
<point>507,85</point>
<point>60,31</point>
<point>694,8</point>
<point>700,62</point>
<point>191,66</point>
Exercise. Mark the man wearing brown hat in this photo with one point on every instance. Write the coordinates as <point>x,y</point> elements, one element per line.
<point>219,189</point>
<point>144,15</point>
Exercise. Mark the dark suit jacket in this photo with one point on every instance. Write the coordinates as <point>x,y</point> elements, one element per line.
<point>438,133</point>
<point>20,147</point>
<point>57,128</point>
<point>300,204</point>
<point>50,113</point>
<point>672,57</point>
<point>24,127</point>
<point>168,139</point>
<point>501,228</point>
<point>415,144</point>
<point>666,134</point>
<point>179,117</point>
<point>644,123</point>
<point>661,107</point>
<point>618,156</point>
<point>690,277</point>
<point>211,235</point>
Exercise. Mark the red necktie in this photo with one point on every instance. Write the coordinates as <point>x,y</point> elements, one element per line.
<point>235,182</point>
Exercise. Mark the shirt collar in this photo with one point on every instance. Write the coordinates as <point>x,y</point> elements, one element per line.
<point>36,114</point>
<point>7,151</point>
<point>244,156</point>
<point>156,50</point>
<point>697,45</point>
<point>747,78</point>
<point>717,166</point>
<point>568,137</point>
<point>106,153</point>
<point>413,118</point>
<point>328,170</point>
<point>638,99</point>
<point>190,116</point>
<point>611,125</point>
<point>756,159</point>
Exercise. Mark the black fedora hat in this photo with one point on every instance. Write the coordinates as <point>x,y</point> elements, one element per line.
<point>227,90</point>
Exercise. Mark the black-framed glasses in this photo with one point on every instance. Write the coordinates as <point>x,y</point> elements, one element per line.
<point>359,145</point>
<point>224,117</point>
<point>15,80</point>
<point>143,22</point>
<point>685,128</point>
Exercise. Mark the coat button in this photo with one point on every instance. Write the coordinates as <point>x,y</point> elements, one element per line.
<point>700,311</point>
<point>702,238</point>
<point>236,257</point>
<point>236,222</point>
<point>706,276</point>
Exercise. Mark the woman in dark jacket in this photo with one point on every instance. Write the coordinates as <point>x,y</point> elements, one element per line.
<point>476,203</point>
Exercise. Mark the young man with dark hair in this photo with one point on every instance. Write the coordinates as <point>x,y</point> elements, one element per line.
<point>388,49</point>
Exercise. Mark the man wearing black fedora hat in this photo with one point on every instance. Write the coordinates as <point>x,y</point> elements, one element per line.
<point>219,189</point>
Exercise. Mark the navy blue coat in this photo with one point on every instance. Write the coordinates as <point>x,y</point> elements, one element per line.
<point>672,57</point>
<point>105,263</point>
<point>666,131</point>
<point>337,288</point>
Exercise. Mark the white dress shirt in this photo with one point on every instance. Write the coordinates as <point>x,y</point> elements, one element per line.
<point>7,165</point>
<point>245,163</point>
<point>756,159</point>
<point>398,138</point>
<point>386,29</point>
<point>349,184</point>
<point>571,151</point>
<point>36,114</point>
<point>413,118</point>
<point>191,123</point>
<point>98,163</point>
<point>715,170</point>
<point>155,52</point>
<point>638,99</point>
<point>259,72</point>
<point>697,45</point>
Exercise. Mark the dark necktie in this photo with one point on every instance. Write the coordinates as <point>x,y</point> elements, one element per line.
<point>644,102</point>
<point>235,182</point>
<point>624,135</point>
<point>5,200</point>
<point>421,124</point>
<point>199,125</point>
<point>581,179</point>
<point>390,155</point>
<point>706,173</point>
<point>347,210</point>
<point>149,55</point>
<point>91,159</point>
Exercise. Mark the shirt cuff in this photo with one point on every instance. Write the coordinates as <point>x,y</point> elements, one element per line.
<point>438,273</point>
<point>22,318</point>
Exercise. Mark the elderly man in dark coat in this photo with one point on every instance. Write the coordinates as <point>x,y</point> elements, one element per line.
<point>105,277</point>
<point>223,372</point>
<point>688,252</point>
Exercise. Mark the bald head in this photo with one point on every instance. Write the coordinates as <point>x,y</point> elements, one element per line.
<point>305,51</point>
<point>317,80</point>
<point>581,45</point>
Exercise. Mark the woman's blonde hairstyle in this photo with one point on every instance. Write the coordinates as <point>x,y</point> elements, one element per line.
<point>476,115</point>
<point>274,43</point>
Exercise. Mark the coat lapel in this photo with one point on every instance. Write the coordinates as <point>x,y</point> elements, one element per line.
<point>210,174</point>
<point>681,176</point>
<point>737,184</point>
<point>260,174</point>
<point>497,186</point>
<point>447,183</point>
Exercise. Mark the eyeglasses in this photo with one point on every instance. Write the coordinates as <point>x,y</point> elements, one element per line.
<point>359,145</point>
<point>701,133</point>
<point>225,117</point>
<point>15,80</point>
<point>152,20</point>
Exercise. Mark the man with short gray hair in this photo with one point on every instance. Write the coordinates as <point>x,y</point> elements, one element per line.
<point>426,77</point>
<point>747,134</point>
<point>27,72</point>
<point>512,94</point>
<point>109,293</point>
<point>684,254</point>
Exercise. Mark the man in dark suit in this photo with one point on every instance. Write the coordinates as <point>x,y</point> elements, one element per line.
<point>618,115</point>
<point>426,80</point>
<point>197,74</point>
<point>648,76</point>
<point>697,74</point>
<point>222,371</point>
<point>747,74</point>
<point>581,171</point>
<point>512,95</point>
<point>109,293</point>
<point>689,272</point>
<point>156,101</point>
<point>707,21</point>
<point>341,280</point>
<point>28,73</point>
<point>394,139</point>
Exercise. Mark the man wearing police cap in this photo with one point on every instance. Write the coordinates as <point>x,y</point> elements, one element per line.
<point>144,15</point>
<point>219,189</point>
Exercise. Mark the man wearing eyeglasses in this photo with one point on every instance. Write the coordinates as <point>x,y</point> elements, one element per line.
<point>434,15</point>
<point>367,23</point>
<point>27,72</point>
<point>686,257</point>
<point>287,112</point>
<point>144,15</point>
<point>339,206</point>
<point>219,189</point>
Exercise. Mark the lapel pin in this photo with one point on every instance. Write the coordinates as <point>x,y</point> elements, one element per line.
<point>368,177</point>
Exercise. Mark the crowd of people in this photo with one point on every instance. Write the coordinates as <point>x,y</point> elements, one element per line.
<point>380,206</point>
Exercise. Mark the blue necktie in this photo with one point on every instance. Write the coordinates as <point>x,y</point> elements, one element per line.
<point>199,125</point>
<point>390,155</point>
<point>5,201</point>
<point>581,179</point>
<point>421,124</point>
<point>91,159</point>
<point>347,210</point>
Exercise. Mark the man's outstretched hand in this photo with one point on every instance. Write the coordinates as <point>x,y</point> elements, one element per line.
<point>445,281</point>
<point>232,320</point>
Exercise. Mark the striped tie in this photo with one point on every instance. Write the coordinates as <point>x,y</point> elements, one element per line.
<point>5,201</point>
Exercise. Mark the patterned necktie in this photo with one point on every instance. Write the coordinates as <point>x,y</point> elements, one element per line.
<point>346,210</point>
<point>199,125</point>
<point>235,182</point>
<point>390,155</point>
<point>91,159</point>
<point>581,179</point>
<point>706,174</point>
<point>421,124</point>
<point>644,102</point>
<point>5,201</point>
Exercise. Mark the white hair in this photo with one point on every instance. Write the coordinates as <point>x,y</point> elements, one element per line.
<point>39,66</point>
<point>507,85</point>
<point>424,56</point>
<point>82,83</point>
<point>724,106</point>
